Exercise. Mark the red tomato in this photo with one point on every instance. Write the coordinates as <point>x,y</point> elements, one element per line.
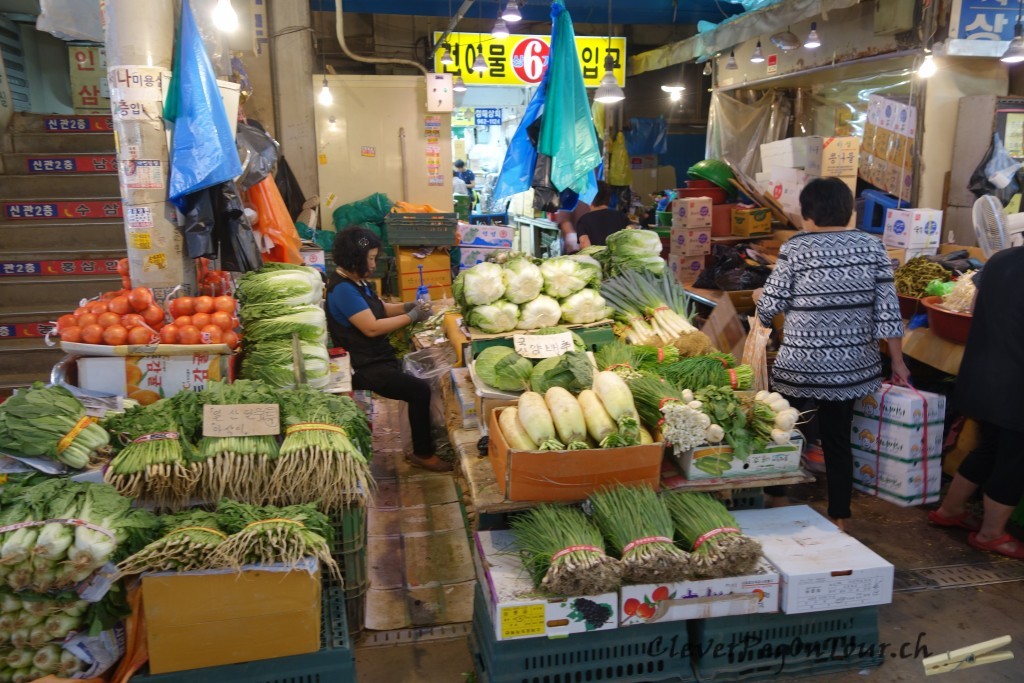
<point>132,320</point>
<point>92,333</point>
<point>80,311</point>
<point>115,335</point>
<point>126,282</point>
<point>110,296</point>
<point>204,304</point>
<point>66,321</point>
<point>189,335</point>
<point>97,307</point>
<point>107,319</point>
<point>222,320</point>
<point>230,338</point>
<point>140,335</point>
<point>86,319</point>
<point>211,334</point>
<point>183,320</point>
<point>122,267</point>
<point>225,303</point>
<point>153,314</point>
<point>120,305</point>
<point>140,298</point>
<point>71,333</point>
<point>183,306</point>
<point>169,334</point>
<point>201,320</point>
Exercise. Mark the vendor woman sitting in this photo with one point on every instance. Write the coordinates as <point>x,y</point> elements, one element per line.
<point>359,321</point>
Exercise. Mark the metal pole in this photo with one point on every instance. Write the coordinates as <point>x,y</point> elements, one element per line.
<point>140,49</point>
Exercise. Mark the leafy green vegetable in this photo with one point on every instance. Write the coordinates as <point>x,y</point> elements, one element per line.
<point>296,286</point>
<point>565,275</point>
<point>634,250</point>
<point>37,420</point>
<point>572,371</point>
<point>541,312</point>
<point>272,361</point>
<point>523,280</point>
<point>501,316</point>
<point>504,369</point>
<point>309,322</point>
<point>585,306</point>
<point>482,284</point>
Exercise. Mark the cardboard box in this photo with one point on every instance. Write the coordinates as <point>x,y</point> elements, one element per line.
<point>774,459</point>
<point>786,184</point>
<point>314,258</point>
<point>690,242</point>
<point>201,619</point>
<point>903,406</point>
<point>437,273</point>
<point>788,153</point>
<point>821,568</point>
<point>912,228</point>
<point>686,268</point>
<point>750,222</point>
<point>905,482</point>
<point>837,156</point>
<point>465,397</point>
<point>493,236</point>
<point>569,475</point>
<point>895,440</point>
<point>147,379</point>
<point>754,593</point>
<point>517,609</point>
<point>470,256</point>
<point>692,213</point>
<point>456,337</point>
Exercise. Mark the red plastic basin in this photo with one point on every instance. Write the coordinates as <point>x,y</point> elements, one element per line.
<point>717,194</point>
<point>945,324</point>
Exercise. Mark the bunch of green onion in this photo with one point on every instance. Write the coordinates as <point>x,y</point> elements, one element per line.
<point>718,546</point>
<point>187,544</point>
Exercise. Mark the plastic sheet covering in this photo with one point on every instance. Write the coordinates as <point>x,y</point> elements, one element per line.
<point>737,128</point>
<point>647,136</point>
<point>71,19</point>
<point>258,152</point>
<point>203,151</point>
<point>274,223</point>
<point>372,209</point>
<point>213,38</point>
<point>431,364</point>
<point>840,106</point>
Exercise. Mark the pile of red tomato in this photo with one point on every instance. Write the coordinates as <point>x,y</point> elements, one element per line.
<point>202,320</point>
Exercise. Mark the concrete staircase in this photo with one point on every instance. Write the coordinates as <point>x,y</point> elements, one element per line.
<point>61,233</point>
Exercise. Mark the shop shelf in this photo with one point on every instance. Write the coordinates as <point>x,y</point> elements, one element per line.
<point>763,646</point>
<point>654,652</point>
<point>333,663</point>
<point>421,229</point>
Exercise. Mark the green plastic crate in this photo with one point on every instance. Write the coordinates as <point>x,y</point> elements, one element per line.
<point>651,652</point>
<point>349,551</point>
<point>333,663</point>
<point>592,337</point>
<point>421,229</point>
<point>762,646</point>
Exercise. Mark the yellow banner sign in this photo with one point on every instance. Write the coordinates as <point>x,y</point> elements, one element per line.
<point>521,60</point>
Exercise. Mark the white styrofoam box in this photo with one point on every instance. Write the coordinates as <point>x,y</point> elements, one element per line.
<point>821,568</point>
<point>903,405</point>
<point>517,609</point>
<point>833,156</point>
<point>469,256</point>
<point>774,459</point>
<point>896,440</point>
<point>465,397</point>
<point>493,236</point>
<point>692,212</point>
<point>314,258</point>
<point>754,593</point>
<point>762,178</point>
<point>788,153</point>
<point>690,242</point>
<point>911,481</point>
<point>912,228</point>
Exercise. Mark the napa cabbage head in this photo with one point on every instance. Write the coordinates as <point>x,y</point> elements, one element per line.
<point>500,316</point>
<point>482,284</point>
<point>309,322</point>
<point>273,362</point>
<point>541,312</point>
<point>635,250</point>
<point>565,275</point>
<point>585,306</point>
<point>292,287</point>
<point>523,280</point>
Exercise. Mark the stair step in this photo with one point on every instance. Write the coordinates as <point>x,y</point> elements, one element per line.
<point>59,164</point>
<point>30,209</point>
<point>78,236</point>
<point>45,143</point>
<point>17,186</point>
<point>56,293</point>
<point>23,361</point>
<point>61,124</point>
<point>44,255</point>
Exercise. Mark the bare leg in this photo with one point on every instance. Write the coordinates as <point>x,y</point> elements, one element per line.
<point>993,525</point>
<point>960,491</point>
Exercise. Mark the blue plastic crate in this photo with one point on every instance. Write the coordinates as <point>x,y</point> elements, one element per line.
<point>762,646</point>
<point>333,663</point>
<point>654,652</point>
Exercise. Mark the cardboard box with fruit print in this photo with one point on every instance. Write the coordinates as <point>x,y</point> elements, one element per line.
<point>147,379</point>
<point>755,593</point>
<point>518,610</point>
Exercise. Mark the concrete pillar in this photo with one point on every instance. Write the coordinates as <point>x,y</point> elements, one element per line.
<point>292,62</point>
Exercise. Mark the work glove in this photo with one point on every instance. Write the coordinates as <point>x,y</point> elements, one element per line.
<point>418,313</point>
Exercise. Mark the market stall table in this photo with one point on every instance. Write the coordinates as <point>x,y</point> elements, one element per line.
<point>925,346</point>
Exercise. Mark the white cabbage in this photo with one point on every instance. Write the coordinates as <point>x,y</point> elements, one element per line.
<point>586,306</point>
<point>483,284</point>
<point>565,275</point>
<point>523,281</point>
<point>541,312</point>
<point>500,316</point>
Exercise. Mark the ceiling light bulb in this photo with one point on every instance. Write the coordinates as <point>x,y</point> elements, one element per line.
<point>325,97</point>
<point>500,30</point>
<point>1015,51</point>
<point>813,40</point>
<point>707,68</point>
<point>927,68</point>
<point>511,12</point>
<point>459,85</point>
<point>480,64</point>
<point>447,58</point>
<point>676,95</point>
<point>609,92</point>
<point>673,88</point>
<point>758,55</point>
<point>224,16</point>
<point>731,64</point>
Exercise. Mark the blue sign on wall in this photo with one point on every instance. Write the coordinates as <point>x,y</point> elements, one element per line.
<point>487,116</point>
<point>985,19</point>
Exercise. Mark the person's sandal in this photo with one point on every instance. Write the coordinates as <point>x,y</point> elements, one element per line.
<point>433,463</point>
<point>1004,545</point>
<point>961,521</point>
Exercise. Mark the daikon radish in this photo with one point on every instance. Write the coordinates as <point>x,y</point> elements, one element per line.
<point>600,425</point>
<point>518,438</point>
<point>617,399</point>
<point>536,420</point>
<point>568,418</point>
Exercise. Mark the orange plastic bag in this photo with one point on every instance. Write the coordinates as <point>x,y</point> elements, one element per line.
<point>275,223</point>
<point>406,207</point>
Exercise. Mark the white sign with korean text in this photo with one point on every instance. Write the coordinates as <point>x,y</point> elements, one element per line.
<point>543,345</point>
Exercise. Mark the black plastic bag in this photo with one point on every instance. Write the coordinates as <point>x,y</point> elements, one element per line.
<point>545,196</point>
<point>200,219</point>
<point>258,152</point>
<point>239,251</point>
<point>288,186</point>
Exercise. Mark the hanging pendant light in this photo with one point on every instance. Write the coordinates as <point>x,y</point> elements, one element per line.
<point>479,64</point>
<point>731,65</point>
<point>609,92</point>
<point>459,85</point>
<point>1015,51</point>
<point>707,68</point>
<point>500,30</point>
<point>786,41</point>
<point>927,68</point>
<point>511,13</point>
<point>758,55</point>
<point>447,58</point>
<point>325,98</point>
<point>224,16</point>
<point>813,40</point>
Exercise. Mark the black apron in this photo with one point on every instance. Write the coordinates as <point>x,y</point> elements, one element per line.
<point>364,351</point>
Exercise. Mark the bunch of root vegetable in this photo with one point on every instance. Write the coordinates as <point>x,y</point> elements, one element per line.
<point>187,544</point>
<point>638,526</point>
<point>718,546</point>
<point>274,535</point>
<point>564,552</point>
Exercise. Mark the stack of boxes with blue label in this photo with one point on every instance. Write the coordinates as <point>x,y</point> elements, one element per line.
<point>914,232</point>
<point>478,243</point>
<point>887,153</point>
<point>897,445</point>
<point>690,238</point>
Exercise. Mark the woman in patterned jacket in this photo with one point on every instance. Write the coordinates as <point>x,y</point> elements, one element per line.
<point>835,286</point>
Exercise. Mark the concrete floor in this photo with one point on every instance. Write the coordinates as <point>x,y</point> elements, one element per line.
<point>942,619</point>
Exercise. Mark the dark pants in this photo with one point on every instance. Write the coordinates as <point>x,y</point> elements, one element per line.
<point>997,464</point>
<point>388,380</point>
<point>834,420</point>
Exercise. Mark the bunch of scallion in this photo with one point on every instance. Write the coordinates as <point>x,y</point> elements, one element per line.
<point>564,552</point>
<point>29,621</point>
<point>656,308</point>
<point>26,665</point>
<point>274,535</point>
<point>638,526</point>
<point>618,358</point>
<point>188,544</point>
<point>718,546</point>
<point>716,369</point>
<point>322,457</point>
<point>152,463</point>
<point>50,422</point>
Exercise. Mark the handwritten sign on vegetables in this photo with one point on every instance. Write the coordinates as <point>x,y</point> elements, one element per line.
<point>256,419</point>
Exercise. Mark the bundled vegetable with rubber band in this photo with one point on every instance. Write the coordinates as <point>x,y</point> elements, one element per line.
<point>716,369</point>
<point>564,552</point>
<point>663,404</point>
<point>638,526</point>
<point>618,358</point>
<point>656,311</point>
<point>50,422</point>
<point>187,545</point>
<point>772,418</point>
<point>719,547</point>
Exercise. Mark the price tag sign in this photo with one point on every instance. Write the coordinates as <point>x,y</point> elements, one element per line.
<point>256,419</point>
<point>543,345</point>
<point>525,620</point>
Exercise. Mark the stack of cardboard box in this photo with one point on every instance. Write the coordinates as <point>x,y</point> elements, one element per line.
<point>691,237</point>
<point>811,157</point>
<point>887,154</point>
<point>918,231</point>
